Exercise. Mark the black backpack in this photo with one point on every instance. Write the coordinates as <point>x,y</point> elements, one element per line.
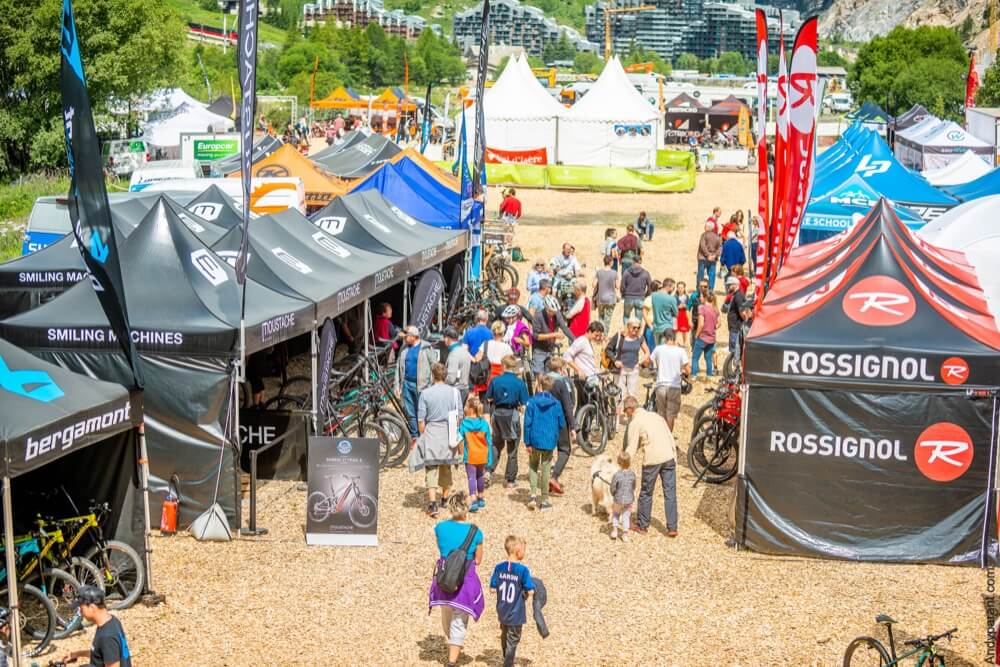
<point>450,573</point>
<point>479,371</point>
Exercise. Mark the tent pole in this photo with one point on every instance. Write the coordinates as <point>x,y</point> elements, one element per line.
<point>315,376</point>
<point>144,480</point>
<point>8,539</point>
<point>368,325</point>
<point>237,487</point>
<point>406,301</point>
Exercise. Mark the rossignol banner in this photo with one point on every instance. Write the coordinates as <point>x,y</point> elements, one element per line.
<point>327,345</point>
<point>425,125</point>
<point>426,298</point>
<point>479,153</point>
<point>342,503</point>
<point>536,156</point>
<point>762,184</point>
<point>89,211</point>
<point>778,205</point>
<point>285,460</point>
<point>247,66</point>
<point>868,476</point>
<point>802,105</point>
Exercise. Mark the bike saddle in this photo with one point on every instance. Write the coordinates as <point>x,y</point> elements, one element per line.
<point>884,619</point>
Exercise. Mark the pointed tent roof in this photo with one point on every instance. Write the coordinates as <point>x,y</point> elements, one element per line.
<point>320,187</point>
<point>965,169</point>
<point>166,130</point>
<point>920,128</point>
<point>930,295</point>
<point>533,94</point>
<point>223,106</point>
<point>182,298</point>
<point>613,98</point>
<point>350,139</point>
<point>391,98</point>
<point>869,113</point>
<point>341,98</point>
<point>844,205</point>
<point>914,115</point>
<point>421,197</point>
<point>965,224</point>
<point>876,164</point>
<point>264,147</point>
<point>728,107</point>
<point>988,184</point>
<point>217,207</point>
<point>684,103</point>
<point>949,134</point>
<point>55,399</point>
<point>360,159</point>
<point>517,95</point>
<point>446,178</point>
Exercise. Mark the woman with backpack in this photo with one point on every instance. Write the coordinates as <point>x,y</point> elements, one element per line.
<point>455,586</point>
<point>626,352</point>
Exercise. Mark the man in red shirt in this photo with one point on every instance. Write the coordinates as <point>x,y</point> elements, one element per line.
<point>714,218</point>
<point>510,206</point>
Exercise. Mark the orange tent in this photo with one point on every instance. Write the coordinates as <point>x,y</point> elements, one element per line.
<point>320,186</point>
<point>392,98</point>
<point>341,98</point>
<point>445,178</point>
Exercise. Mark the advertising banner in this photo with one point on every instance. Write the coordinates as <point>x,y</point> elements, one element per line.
<point>777,222</point>
<point>868,476</point>
<point>803,102</point>
<point>342,503</point>
<point>537,156</point>
<point>247,67</point>
<point>426,298</point>
<point>287,459</point>
<point>208,147</point>
<point>760,263</point>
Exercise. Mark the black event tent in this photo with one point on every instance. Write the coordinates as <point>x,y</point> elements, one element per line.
<point>910,118</point>
<point>861,441</point>
<point>217,207</point>
<point>184,305</point>
<point>350,139</point>
<point>359,159</point>
<point>227,165</point>
<point>223,106</point>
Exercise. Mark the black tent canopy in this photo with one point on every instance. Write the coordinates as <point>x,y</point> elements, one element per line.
<point>360,158</point>
<point>350,139</point>
<point>227,165</point>
<point>914,115</point>
<point>216,207</point>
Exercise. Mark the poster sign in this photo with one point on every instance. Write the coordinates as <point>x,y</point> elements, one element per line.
<point>342,503</point>
<point>207,147</point>
<point>633,129</point>
<point>868,476</point>
<point>536,156</point>
<point>260,428</point>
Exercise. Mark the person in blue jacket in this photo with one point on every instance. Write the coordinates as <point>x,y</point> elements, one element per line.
<point>732,253</point>
<point>543,420</point>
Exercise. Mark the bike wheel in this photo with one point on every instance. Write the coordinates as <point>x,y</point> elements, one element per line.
<point>592,430</point>
<point>122,570</point>
<point>363,511</point>
<point>399,435</point>
<point>730,368</point>
<point>707,409</point>
<point>866,652</point>
<point>60,587</point>
<point>86,572</point>
<point>370,429</point>
<point>318,506</point>
<point>37,619</point>
<point>713,457</point>
<point>506,277</point>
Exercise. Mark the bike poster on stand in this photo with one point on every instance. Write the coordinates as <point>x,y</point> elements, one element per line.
<point>342,503</point>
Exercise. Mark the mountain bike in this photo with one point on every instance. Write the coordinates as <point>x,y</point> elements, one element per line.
<point>38,618</point>
<point>499,271</point>
<point>870,651</point>
<point>714,449</point>
<point>596,419</point>
<point>35,553</point>
<point>363,509</point>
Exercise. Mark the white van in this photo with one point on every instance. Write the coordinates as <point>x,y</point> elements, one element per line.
<point>160,171</point>
<point>124,156</point>
<point>839,102</point>
<point>267,195</point>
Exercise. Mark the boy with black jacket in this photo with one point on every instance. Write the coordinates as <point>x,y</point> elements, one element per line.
<point>562,391</point>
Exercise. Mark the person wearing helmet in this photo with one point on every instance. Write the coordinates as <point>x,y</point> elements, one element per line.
<point>518,334</point>
<point>513,296</point>
<point>109,647</point>
<point>547,325</point>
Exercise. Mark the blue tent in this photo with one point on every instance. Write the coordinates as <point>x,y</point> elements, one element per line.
<point>985,185</point>
<point>837,210</point>
<point>878,167</point>
<point>435,205</point>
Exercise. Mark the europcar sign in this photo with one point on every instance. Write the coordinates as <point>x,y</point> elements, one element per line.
<point>208,147</point>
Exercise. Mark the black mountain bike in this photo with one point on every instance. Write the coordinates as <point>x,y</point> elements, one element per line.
<point>870,651</point>
<point>363,508</point>
<point>596,419</point>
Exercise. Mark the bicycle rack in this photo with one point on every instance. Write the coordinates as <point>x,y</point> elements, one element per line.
<point>252,529</point>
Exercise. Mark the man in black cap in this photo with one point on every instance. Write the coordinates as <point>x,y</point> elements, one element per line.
<point>109,647</point>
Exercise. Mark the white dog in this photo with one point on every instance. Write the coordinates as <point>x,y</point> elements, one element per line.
<point>601,471</point>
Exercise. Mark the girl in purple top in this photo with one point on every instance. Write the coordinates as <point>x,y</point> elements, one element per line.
<point>518,334</point>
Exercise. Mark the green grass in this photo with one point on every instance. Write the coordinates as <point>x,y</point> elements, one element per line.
<point>192,12</point>
<point>16,200</point>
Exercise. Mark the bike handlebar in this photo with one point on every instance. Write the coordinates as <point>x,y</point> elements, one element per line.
<point>930,639</point>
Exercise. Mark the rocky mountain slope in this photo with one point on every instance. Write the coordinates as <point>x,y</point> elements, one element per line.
<point>860,20</point>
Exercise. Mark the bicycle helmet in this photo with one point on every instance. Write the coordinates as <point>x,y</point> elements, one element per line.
<point>511,311</point>
<point>551,303</point>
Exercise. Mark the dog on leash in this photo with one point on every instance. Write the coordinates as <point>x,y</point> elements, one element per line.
<point>601,471</point>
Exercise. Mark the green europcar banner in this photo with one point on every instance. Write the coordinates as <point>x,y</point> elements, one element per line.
<point>215,149</point>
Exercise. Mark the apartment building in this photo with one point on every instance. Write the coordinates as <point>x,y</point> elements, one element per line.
<point>360,13</point>
<point>516,24</point>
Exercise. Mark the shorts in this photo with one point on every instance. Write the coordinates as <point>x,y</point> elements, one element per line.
<point>455,624</point>
<point>439,476</point>
<point>668,402</point>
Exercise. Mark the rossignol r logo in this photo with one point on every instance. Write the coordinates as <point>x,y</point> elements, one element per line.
<point>879,301</point>
<point>943,452</point>
<point>954,370</point>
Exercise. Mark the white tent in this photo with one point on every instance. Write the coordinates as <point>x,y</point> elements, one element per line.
<point>166,131</point>
<point>519,114</point>
<point>966,168</point>
<point>938,146</point>
<point>613,125</point>
<point>165,100</point>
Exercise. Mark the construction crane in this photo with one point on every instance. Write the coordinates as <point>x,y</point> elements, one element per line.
<point>608,11</point>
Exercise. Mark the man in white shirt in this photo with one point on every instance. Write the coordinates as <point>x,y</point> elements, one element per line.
<point>672,362</point>
<point>580,354</point>
<point>566,266</point>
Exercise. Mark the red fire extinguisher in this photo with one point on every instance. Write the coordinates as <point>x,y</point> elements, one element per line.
<point>168,517</point>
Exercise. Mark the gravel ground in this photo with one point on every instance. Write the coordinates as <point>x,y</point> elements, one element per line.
<point>689,601</point>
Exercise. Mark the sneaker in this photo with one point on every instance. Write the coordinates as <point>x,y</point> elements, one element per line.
<point>671,533</point>
<point>614,533</point>
<point>555,488</point>
<point>481,503</point>
<point>474,507</point>
<point>545,505</point>
<point>640,531</point>
<point>532,503</point>
<point>625,537</point>
<point>432,509</point>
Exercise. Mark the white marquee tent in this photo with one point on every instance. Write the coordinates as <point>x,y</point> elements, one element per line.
<point>968,167</point>
<point>519,114</point>
<point>613,125</point>
<point>165,131</point>
<point>938,145</point>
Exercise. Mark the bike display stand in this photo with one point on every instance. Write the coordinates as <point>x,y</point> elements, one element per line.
<point>252,530</point>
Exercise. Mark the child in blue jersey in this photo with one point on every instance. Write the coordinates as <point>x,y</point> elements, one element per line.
<point>511,581</point>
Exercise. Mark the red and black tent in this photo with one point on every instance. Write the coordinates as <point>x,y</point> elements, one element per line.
<point>870,424</point>
<point>684,115</point>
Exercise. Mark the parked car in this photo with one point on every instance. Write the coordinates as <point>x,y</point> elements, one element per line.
<point>124,156</point>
